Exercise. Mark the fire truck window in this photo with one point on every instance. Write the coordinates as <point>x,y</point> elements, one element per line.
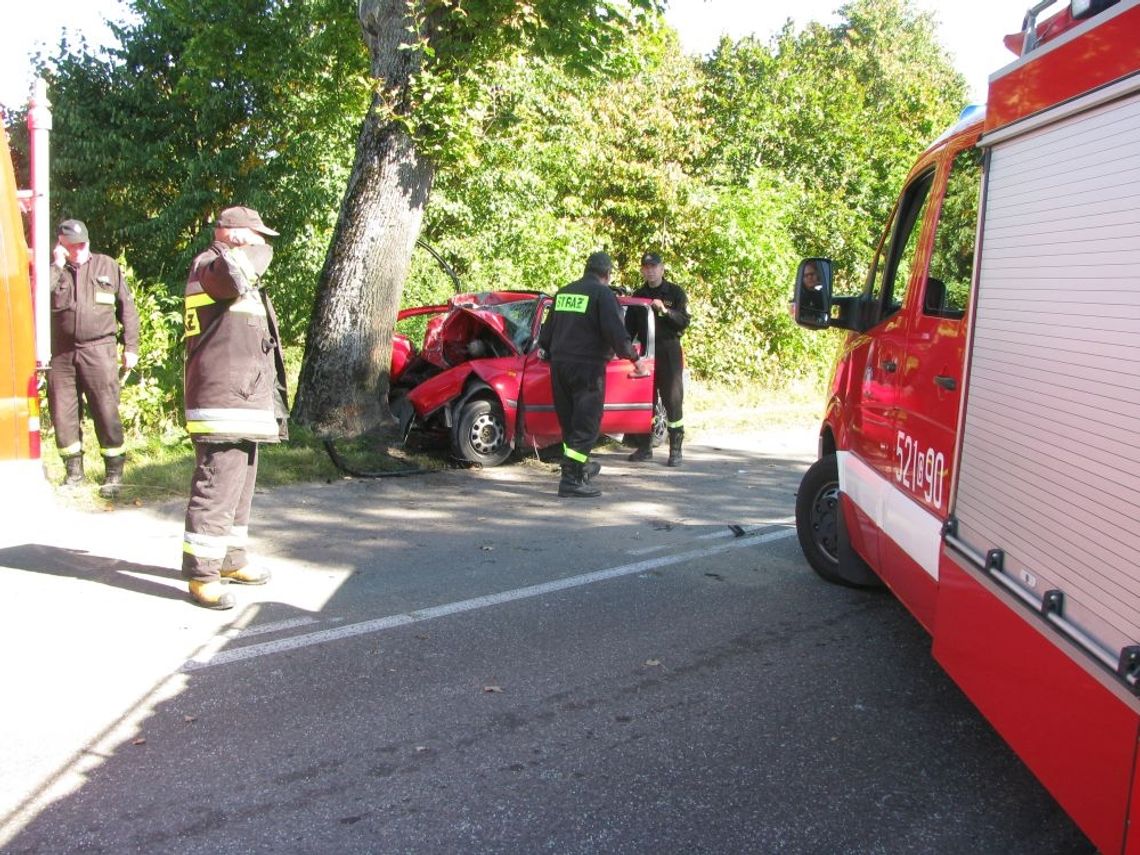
<point>952,259</point>
<point>904,244</point>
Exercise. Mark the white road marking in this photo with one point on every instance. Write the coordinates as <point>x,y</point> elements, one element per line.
<point>716,535</point>
<point>209,659</point>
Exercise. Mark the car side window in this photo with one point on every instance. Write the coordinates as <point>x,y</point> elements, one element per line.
<point>637,325</point>
<point>952,258</point>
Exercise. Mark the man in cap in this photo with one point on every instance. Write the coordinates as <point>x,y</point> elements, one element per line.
<point>671,307</point>
<point>580,335</point>
<point>235,399</point>
<point>90,301</point>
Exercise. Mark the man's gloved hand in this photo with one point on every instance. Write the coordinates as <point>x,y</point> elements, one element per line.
<point>543,355</point>
<point>130,360</point>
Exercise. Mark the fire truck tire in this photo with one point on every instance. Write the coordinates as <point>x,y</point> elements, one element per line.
<point>820,528</point>
<point>481,433</point>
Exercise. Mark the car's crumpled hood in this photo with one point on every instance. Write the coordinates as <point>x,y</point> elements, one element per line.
<point>455,337</point>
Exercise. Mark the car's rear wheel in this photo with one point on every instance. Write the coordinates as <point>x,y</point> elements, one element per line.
<point>660,422</point>
<point>658,429</point>
<point>481,433</point>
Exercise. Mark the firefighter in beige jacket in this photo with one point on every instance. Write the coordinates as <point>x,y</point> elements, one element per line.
<point>235,399</point>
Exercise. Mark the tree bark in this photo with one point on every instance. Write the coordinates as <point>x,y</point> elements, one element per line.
<point>343,388</point>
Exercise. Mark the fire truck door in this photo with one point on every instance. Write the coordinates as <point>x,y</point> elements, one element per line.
<point>867,475</point>
<point>931,376</point>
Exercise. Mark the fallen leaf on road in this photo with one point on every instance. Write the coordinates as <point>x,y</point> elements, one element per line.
<point>495,689</point>
<point>653,663</point>
<point>140,741</point>
<point>487,548</point>
<point>189,718</point>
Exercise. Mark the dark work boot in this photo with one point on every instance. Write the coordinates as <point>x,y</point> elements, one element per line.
<point>590,469</point>
<point>74,466</point>
<point>112,475</point>
<point>676,437</point>
<point>644,449</point>
<point>573,482</point>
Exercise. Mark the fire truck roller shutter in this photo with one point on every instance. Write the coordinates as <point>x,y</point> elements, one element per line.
<point>1050,446</point>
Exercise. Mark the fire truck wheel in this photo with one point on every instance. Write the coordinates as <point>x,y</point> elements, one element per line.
<point>817,518</point>
<point>481,433</point>
<point>819,525</point>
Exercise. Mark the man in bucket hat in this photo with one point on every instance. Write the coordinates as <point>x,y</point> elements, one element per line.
<point>235,399</point>
<point>90,301</point>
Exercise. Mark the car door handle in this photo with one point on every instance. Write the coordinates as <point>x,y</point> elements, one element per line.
<point>946,382</point>
<point>890,366</point>
<point>633,375</point>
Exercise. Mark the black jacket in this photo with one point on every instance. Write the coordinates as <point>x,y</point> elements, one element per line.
<point>673,321</point>
<point>585,324</point>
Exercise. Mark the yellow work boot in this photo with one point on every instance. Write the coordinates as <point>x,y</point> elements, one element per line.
<point>247,575</point>
<point>211,595</point>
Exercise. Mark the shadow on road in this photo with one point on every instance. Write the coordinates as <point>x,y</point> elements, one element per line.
<point>81,565</point>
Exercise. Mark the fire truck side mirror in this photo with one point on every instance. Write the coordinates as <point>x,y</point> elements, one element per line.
<point>811,304</point>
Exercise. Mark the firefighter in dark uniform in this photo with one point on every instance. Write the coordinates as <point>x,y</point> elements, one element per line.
<point>671,307</point>
<point>579,336</point>
<point>235,399</point>
<point>89,302</point>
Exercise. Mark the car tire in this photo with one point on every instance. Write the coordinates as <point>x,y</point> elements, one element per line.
<point>660,423</point>
<point>659,429</point>
<point>481,433</point>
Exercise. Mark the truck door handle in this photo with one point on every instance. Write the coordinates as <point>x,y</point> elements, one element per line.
<point>890,366</point>
<point>946,382</point>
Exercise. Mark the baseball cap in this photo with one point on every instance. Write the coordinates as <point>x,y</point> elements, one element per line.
<point>650,258</point>
<point>73,232</point>
<point>243,218</point>
<point>599,262</point>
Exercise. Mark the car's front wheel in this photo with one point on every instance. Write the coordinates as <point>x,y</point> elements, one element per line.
<point>481,433</point>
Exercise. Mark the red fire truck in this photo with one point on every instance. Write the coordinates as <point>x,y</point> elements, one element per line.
<point>979,452</point>
<point>20,330</point>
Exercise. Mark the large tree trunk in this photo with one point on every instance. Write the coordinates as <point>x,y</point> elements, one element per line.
<point>344,377</point>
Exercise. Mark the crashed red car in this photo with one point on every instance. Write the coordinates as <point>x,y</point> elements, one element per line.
<point>476,379</point>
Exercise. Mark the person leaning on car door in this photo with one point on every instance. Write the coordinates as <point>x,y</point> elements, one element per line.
<point>671,307</point>
<point>89,301</point>
<point>235,399</point>
<point>582,331</point>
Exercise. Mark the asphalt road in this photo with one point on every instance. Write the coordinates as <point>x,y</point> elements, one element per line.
<point>464,663</point>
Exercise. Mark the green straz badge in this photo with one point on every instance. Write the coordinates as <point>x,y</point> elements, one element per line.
<point>571,303</point>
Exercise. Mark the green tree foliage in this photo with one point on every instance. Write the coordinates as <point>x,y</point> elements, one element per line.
<point>840,110</point>
<point>567,165</point>
<point>204,104</point>
<point>434,62</point>
<point>548,129</point>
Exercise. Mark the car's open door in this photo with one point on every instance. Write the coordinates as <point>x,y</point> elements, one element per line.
<point>629,398</point>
